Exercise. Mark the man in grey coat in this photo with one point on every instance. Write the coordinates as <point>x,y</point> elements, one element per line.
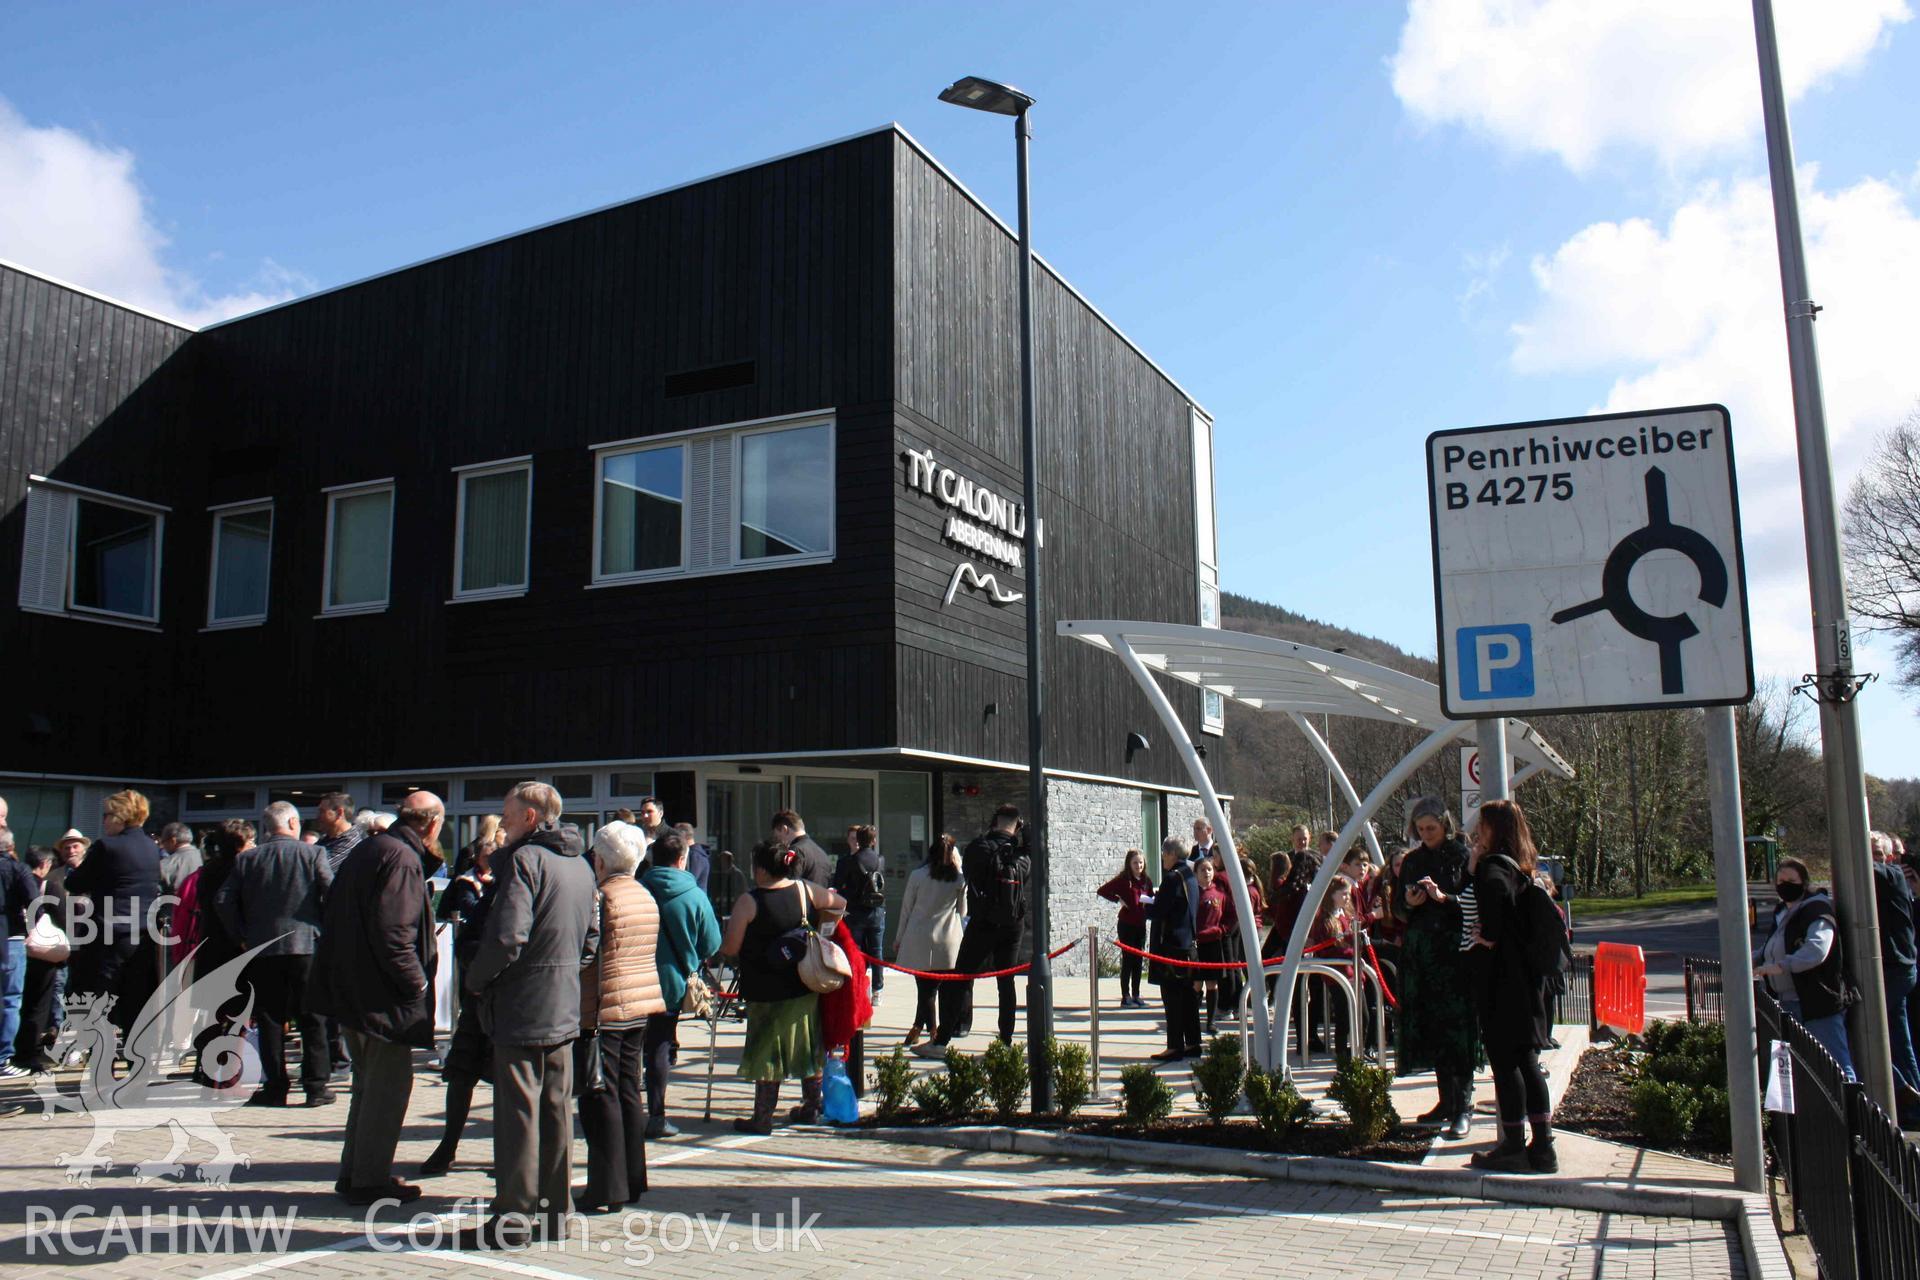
<point>541,931</point>
<point>273,895</point>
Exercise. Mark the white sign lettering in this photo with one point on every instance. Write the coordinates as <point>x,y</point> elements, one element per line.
<point>982,521</point>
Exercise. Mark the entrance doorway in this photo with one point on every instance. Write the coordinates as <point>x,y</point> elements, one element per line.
<point>739,813</point>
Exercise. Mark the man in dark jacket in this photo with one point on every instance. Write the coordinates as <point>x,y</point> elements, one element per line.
<point>814,863</point>
<point>272,899</point>
<point>861,878</point>
<point>541,931</point>
<point>373,973</point>
<point>699,862</point>
<point>118,876</point>
<point>1893,901</point>
<point>1171,917</point>
<point>995,867</point>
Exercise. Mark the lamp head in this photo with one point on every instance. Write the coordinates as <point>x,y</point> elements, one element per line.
<point>986,95</point>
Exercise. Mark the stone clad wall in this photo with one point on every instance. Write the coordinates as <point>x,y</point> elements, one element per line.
<point>1092,827</point>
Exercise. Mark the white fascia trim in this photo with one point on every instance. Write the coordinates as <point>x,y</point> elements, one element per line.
<point>497,462</point>
<point>1074,775</point>
<point>357,484</point>
<point>117,499</point>
<point>557,222</point>
<point>821,415</point>
<point>95,293</point>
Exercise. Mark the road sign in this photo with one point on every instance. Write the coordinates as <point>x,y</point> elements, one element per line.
<point>1589,564</point>
<point>1469,787</point>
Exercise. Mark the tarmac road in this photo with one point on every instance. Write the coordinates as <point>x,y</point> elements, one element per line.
<point>1665,936</point>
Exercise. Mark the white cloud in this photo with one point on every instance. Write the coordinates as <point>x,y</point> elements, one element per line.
<point>1575,78</point>
<point>1691,312</point>
<point>1482,269</point>
<point>74,210</point>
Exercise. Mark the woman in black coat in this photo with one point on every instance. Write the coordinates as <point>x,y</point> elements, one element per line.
<point>1515,1014</point>
<point>1437,1031</point>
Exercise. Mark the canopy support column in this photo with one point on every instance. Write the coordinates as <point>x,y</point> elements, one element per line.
<point>1340,778</point>
<point>1263,1044</point>
<point>1436,742</point>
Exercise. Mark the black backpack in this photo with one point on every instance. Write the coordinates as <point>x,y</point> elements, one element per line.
<point>867,890</point>
<point>1547,949</point>
<point>1002,898</point>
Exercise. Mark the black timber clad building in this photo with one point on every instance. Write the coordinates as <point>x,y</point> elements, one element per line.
<point>713,495</point>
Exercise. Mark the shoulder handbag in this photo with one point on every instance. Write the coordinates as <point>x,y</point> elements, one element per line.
<point>823,965</point>
<point>47,941</point>
<point>698,1002</point>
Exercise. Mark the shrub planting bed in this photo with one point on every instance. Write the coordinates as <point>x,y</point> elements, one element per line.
<point>1665,1090</point>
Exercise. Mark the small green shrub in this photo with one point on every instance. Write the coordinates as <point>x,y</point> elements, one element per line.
<point>1662,1037</point>
<point>1713,1126</point>
<point>1144,1097</point>
<point>1006,1071</point>
<point>1663,1112</point>
<point>931,1094</point>
<point>892,1079</point>
<point>1278,1107</point>
<point>1217,1077</point>
<point>1072,1081</point>
<point>966,1083</point>
<point>1365,1093</point>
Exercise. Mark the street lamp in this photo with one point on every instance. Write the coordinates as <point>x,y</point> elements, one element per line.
<point>1004,100</point>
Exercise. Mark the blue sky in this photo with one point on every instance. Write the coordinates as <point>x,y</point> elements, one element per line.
<point>1339,226</point>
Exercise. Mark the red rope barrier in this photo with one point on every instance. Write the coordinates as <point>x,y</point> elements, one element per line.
<point>965,977</point>
<point>1273,963</point>
<point>1380,977</point>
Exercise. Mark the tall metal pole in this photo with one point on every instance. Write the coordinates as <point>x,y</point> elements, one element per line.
<point>1827,584</point>
<point>1040,976</point>
<point>1496,766</point>
<point>1736,965</point>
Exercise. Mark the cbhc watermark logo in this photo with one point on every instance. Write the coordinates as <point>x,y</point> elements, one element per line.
<point>1495,662</point>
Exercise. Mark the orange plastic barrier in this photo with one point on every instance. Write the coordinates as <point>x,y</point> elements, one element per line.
<point>1620,988</point>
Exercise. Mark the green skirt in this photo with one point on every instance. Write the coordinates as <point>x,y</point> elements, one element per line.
<point>1439,1027</point>
<point>783,1040</point>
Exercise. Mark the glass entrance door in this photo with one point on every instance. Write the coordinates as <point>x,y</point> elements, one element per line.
<point>830,805</point>
<point>739,813</point>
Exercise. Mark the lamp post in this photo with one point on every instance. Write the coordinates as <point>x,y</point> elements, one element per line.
<point>1004,100</point>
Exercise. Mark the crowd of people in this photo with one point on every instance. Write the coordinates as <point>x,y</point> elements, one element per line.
<point>1449,917</point>
<point>1803,961</point>
<point>576,959</point>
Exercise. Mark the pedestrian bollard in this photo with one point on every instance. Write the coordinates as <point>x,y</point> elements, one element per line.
<point>1093,1000</point>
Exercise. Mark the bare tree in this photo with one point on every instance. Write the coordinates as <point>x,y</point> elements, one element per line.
<point>1883,545</point>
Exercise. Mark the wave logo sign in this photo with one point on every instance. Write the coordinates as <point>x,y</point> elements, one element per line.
<point>1495,662</point>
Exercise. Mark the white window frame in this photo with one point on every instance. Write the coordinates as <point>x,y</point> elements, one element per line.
<point>159,516</point>
<point>600,457</point>
<point>220,513</point>
<point>740,494</point>
<point>334,494</point>
<point>461,475</point>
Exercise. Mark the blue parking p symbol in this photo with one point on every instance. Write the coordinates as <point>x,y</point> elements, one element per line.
<point>1495,662</point>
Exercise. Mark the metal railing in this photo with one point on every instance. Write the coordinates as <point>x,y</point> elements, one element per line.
<point>1574,1006</point>
<point>1706,999</point>
<point>1853,1179</point>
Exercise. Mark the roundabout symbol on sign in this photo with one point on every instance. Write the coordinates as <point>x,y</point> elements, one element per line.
<point>1658,534</point>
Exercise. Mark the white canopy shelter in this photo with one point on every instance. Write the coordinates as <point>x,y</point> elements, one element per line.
<point>1278,675</point>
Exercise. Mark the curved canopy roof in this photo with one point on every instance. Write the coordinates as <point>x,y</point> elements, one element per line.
<point>1279,675</point>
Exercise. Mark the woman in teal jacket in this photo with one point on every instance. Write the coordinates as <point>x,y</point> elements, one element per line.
<point>689,933</point>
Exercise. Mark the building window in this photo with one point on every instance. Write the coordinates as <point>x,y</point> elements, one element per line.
<point>492,521</point>
<point>242,548</point>
<point>786,493</point>
<point>393,794</point>
<point>574,786</point>
<point>90,554</point>
<point>752,496</point>
<point>1213,710</point>
<point>643,512</point>
<point>630,784</point>
<point>359,548</point>
<point>116,560</point>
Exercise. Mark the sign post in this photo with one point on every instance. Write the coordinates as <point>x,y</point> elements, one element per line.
<point>1595,564</point>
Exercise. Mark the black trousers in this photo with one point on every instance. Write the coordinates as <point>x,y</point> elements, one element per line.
<point>615,1121</point>
<point>938,1003</point>
<point>280,996</point>
<point>985,947</point>
<point>36,1011</point>
<point>657,1050</point>
<point>1183,1012</point>
<point>1134,935</point>
<point>1519,1085</point>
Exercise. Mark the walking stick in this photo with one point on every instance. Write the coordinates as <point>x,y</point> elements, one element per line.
<point>713,1043</point>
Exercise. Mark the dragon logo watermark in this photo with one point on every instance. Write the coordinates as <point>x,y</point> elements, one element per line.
<point>144,1098</point>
